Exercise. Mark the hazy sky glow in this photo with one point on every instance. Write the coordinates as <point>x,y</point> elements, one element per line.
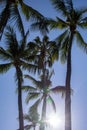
<point>8,95</point>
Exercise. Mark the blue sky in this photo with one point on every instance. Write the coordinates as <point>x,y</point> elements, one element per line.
<point>8,96</point>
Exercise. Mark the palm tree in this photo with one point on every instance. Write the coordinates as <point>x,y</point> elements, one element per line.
<point>42,93</point>
<point>46,52</point>
<point>11,13</point>
<point>15,55</point>
<point>72,19</point>
<point>32,118</point>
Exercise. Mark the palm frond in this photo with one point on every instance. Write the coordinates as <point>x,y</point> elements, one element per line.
<point>50,74</point>
<point>64,49</point>
<point>4,55</point>
<point>4,17</point>
<point>41,25</point>
<point>29,88</point>
<point>69,6</point>
<point>59,90</point>
<point>54,50</point>
<point>82,11</point>
<point>80,41</point>
<point>30,12</point>
<point>30,78</point>
<point>55,54</point>
<point>16,18</point>
<point>34,81</point>
<point>83,23</point>
<point>10,38</point>
<point>61,23</point>
<point>5,67</point>
<point>58,23</point>
<point>36,104</point>
<point>12,43</point>
<point>52,103</point>
<point>30,67</point>
<point>24,41</point>
<point>31,57</point>
<point>61,37</point>
<point>59,5</point>
<point>32,96</point>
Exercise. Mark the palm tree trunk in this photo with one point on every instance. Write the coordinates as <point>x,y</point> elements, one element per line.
<point>34,127</point>
<point>20,109</point>
<point>68,89</point>
<point>43,117</point>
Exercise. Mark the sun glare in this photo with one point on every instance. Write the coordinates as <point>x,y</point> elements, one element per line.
<point>54,121</point>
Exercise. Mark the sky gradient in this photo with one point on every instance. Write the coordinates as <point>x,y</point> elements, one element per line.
<point>8,95</point>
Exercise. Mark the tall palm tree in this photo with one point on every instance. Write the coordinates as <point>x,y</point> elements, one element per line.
<point>72,19</point>
<point>42,93</point>
<point>12,13</point>
<point>46,52</point>
<point>15,55</point>
<point>32,118</point>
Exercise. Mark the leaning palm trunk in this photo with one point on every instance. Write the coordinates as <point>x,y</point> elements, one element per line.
<point>68,89</point>
<point>20,109</point>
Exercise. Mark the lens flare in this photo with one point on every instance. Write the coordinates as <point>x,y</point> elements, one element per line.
<point>54,121</point>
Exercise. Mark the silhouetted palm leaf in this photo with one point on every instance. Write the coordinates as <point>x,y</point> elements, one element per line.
<point>52,103</point>
<point>59,90</point>
<point>80,41</point>
<point>5,67</point>
<point>32,96</point>
<point>29,88</point>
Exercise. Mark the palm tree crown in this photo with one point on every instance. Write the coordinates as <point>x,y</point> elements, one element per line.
<point>46,51</point>
<point>42,93</point>
<point>70,23</point>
